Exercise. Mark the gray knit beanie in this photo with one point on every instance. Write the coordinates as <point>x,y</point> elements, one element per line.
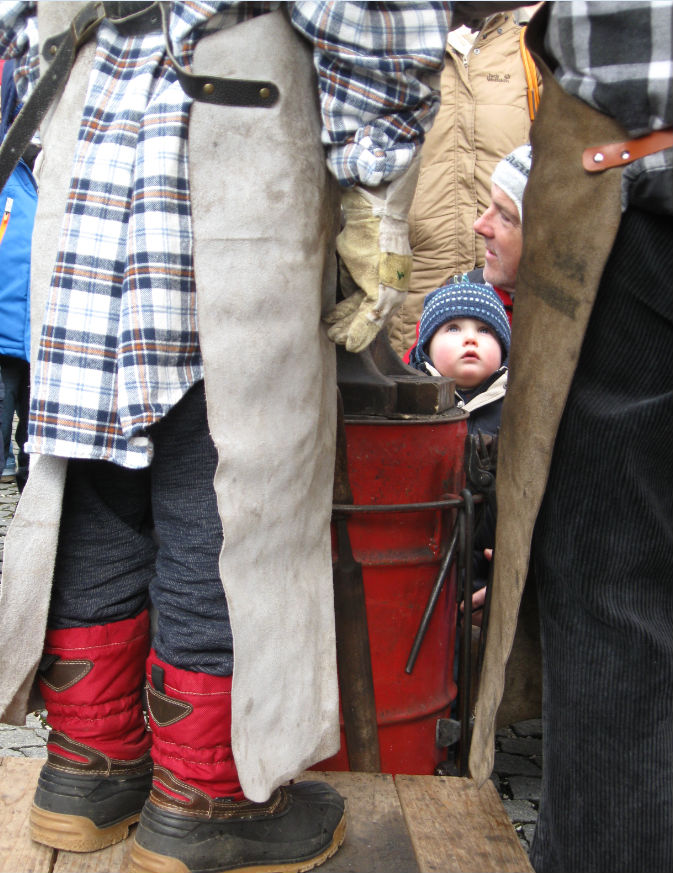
<point>511,174</point>
<point>460,300</point>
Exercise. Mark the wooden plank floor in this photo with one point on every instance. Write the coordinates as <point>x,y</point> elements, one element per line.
<point>406,824</point>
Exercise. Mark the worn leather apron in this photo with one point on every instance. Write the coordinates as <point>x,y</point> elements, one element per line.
<point>264,219</point>
<point>571,219</point>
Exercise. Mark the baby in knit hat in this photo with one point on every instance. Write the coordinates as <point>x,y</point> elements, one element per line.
<point>464,334</point>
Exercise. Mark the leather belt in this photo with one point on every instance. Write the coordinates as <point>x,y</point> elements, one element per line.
<point>619,154</point>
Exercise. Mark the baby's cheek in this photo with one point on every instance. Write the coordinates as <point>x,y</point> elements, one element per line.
<point>443,358</point>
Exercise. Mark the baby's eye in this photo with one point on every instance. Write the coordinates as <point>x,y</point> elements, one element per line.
<point>484,328</point>
<point>452,327</point>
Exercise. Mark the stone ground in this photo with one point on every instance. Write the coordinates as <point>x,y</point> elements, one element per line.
<point>518,757</point>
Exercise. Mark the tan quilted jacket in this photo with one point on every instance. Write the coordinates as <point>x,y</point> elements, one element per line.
<point>483,116</point>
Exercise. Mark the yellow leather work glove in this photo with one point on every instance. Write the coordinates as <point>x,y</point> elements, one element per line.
<point>374,248</point>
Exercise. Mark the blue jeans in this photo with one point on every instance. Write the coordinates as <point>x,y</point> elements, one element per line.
<point>129,538</point>
<point>2,406</point>
<point>16,381</point>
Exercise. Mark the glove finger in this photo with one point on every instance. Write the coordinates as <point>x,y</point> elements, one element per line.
<point>338,333</point>
<point>344,309</point>
<point>361,333</point>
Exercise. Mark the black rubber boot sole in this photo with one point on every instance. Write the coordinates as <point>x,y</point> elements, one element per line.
<point>82,812</point>
<point>307,829</point>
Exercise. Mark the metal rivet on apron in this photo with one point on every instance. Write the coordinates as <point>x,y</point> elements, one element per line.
<point>626,155</point>
<point>53,49</point>
<point>599,157</point>
<point>264,93</point>
<point>208,88</point>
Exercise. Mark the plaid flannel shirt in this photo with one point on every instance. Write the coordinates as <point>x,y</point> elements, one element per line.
<point>618,58</point>
<point>119,344</point>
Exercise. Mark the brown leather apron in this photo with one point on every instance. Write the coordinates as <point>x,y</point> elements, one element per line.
<point>571,219</point>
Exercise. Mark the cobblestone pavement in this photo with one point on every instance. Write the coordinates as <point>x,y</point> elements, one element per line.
<point>518,757</point>
<point>517,774</point>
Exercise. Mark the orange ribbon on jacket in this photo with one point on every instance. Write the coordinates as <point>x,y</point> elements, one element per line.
<point>5,217</point>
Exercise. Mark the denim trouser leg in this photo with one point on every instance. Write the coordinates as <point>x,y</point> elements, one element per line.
<point>16,379</point>
<point>130,535</point>
<point>2,410</point>
<point>603,562</point>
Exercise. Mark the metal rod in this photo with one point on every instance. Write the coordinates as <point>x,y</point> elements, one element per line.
<point>432,601</point>
<point>466,637</point>
<point>447,503</point>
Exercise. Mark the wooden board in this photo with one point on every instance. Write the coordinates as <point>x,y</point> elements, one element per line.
<point>376,836</point>
<point>104,861</point>
<point>405,824</point>
<point>456,826</point>
<point>18,853</point>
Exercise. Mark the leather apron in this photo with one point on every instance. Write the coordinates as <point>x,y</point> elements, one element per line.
<point>571,219</point>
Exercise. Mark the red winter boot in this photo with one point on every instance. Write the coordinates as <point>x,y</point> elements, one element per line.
<point>197,818</point>
<point>98,771</point>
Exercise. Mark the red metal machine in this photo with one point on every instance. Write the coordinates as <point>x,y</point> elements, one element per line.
<point>405,446</point>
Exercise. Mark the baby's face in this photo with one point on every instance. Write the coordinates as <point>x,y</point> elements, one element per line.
<point>466,350</point>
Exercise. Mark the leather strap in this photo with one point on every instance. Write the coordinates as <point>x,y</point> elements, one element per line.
<point>19,135</point>
<point>212,89</point>
<point>62,50</point>
<point>532,88</point>
<point>618,154</point>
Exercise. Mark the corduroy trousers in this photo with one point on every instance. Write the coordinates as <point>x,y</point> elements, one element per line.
<point>602,559</point>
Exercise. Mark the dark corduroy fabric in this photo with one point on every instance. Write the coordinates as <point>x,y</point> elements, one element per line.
<point>109,560</point>
<point>602,559</point>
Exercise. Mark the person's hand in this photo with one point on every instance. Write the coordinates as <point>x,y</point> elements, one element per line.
<point>375,260</point>
<point>478,598</point>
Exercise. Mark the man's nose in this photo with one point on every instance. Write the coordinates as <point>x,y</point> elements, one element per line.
<point>482,226</point>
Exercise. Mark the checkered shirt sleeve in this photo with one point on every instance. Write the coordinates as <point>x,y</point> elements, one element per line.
<point>617,57</point>
<point>377,65</point>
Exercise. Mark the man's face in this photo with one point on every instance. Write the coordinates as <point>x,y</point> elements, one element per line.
<point>501,229</point>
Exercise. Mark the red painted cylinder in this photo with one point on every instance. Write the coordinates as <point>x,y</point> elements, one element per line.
<point>406,461</point>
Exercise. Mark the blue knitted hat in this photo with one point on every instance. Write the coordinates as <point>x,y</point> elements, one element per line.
<point>460,300</point>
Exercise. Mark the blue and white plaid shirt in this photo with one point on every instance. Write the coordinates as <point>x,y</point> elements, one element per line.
<point>120,344</point>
